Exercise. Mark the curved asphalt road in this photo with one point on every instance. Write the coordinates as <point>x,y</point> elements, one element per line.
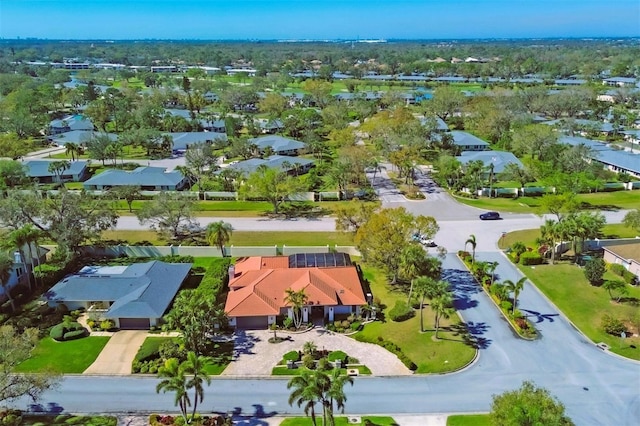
<point>596,387</point>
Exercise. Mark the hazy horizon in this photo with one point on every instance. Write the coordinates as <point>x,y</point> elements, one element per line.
<point>216,20</point>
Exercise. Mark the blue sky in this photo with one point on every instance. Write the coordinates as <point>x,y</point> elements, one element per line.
<point>313,19</point>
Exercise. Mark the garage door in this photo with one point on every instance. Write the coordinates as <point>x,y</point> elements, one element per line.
<point>134,323</point>
<point>251,323</point>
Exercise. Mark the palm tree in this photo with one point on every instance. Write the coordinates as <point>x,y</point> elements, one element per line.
<point>422,287</point>
<point>195,367</point>
<point>441,306</point>
<point>549,234</point>
<point>472,241</point>
<point>515,288</point>
<point>6,267</point>
<point>309,347</point>
<point>297,300</point>
<point>219,234</point>
<point>491,269</point>
<point>72,149</point>
<point>174,380</point>
<point>335,394</point>
<point>305,391</point>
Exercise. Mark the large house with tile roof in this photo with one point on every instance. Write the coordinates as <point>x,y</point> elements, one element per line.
<point>134,296</point>
<point>258,285</point>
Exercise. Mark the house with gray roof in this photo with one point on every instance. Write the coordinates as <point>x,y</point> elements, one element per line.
<point>279,145</point>
<point>468,142</point>
<point>78,137</point>
<point>291,165</point>
<point>39,171</point>
<point>134,296</point>
<point>441,125</point>
<point>620,81</point>
<point>69,123</point>
<point>147,178</point>
<point>619,161</point>
<point>499,159</point>
<point>182,140</point>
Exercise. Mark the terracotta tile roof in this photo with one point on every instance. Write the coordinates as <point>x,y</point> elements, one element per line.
<point>259,287</point>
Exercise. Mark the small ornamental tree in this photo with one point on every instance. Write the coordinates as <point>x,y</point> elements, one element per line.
<point>594,271</point>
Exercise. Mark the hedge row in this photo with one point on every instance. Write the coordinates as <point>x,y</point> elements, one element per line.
<point>530,258</point>
<point>621,271</point>
<point>393,348</point>
<point>216,278</point>
<point>67,331</point>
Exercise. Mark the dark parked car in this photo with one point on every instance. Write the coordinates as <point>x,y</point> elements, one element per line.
<point>490,216</point>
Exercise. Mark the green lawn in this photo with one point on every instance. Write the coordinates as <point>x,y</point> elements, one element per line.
<point>529,236</point>
<point>597,201</point>
<point>69,357</point>
<point>340,421</point>
<point>469,420</point>
<point>585,305</point>
<point>246,238</point>
<point>447,354</point>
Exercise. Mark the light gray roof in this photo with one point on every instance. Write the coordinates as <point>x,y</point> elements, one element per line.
<point>577,140</point>
<point>602,126</point>
<point>499,159</point>
<point>440,123</point>
<point>142,290</point>
<point>183,139</point>
<point>277,143</point>
<point>40,168</point>
<point>467,139</point>
<point>621,159</point>
<point>629,80</point>
<point>141,176</point>
<point>73,122</point>
<point>274,161</point>
<point>79,137</point>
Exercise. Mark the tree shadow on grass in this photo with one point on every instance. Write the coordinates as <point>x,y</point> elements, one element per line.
<point>607,207</point>
<point>471,334</point>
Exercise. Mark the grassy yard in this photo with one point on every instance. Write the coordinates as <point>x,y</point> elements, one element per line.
<point>449,353</point>
<point>596,201</point>
<point>69,357</point>
<point>585,305</point>
<point>245,238</point>
<point>469,420</point>
<point>529,236</point>
<point>340,421</point>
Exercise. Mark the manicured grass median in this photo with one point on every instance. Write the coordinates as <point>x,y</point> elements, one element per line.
<point>449,353</point>
<point>529,236</point>
<point>469,420</point>
<point>585,305</point>
<point>73,356</point>
<point>340,421</point>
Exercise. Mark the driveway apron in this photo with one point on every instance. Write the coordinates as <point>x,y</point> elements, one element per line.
<point>116,357</point>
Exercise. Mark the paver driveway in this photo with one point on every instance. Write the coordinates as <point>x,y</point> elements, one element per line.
<point>255,356</point>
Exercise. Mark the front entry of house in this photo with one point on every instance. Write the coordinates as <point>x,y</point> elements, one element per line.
<point>317,315</point>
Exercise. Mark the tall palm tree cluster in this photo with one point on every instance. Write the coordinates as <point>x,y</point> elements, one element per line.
<point>319,386</point>
<point>575,227</point>
<point>180,377</point>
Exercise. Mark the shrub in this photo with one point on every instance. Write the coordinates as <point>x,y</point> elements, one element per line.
<point>287,323</point>
<point>174,258</point>
<point>308,361</point>
<point>59,332</point>
<point>401,311</point>
<point>506,306</point>
<point>530,258</point>
<point>171,349</point>
<point>76,334</point>
<point>355,326</point>
<point>618,269</point>
<point>346,324</point>
<point>292,356</point>
<point>107,325</point>
<point>612,325</point>
<point>337,355</point>
<point>594,270</point>
<point>629,278</point>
